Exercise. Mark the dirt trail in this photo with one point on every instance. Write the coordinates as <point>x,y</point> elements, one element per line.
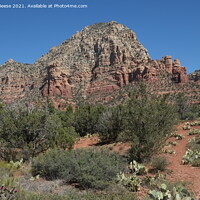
<point>86,142</point>
<point>183,172</point>
<point>180,172</point>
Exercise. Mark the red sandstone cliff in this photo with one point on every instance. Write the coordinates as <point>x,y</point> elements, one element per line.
<point>92,64</point>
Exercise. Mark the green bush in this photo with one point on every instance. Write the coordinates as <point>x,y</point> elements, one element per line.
<point>51,164</point>
<point>194,143</point>
<point>86,118</point>
<point>196,163</point>
<point>185,109</point>
<point>91,168</point>
<point>111,124</point>
<point>159,163</point>
<point>149,121</point>
<point>86,195</point>
<point>26,133</point>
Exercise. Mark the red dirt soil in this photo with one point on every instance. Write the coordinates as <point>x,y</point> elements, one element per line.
<point>184,172</point>
<point>120,147</point>
<point>180,172</point>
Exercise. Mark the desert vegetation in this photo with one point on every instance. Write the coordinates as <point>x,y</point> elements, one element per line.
<point>38,160</point>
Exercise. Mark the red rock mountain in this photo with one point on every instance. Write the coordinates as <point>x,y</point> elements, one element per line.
<point>96,64</point>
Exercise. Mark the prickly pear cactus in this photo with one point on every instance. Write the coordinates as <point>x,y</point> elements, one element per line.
<point>194,132</point>
<point>163,193</point>
<point>132,183</point>
<point>137,168</point>
<point>17,165</point>
<point>186,127</point>
<point>169,151</point>
<point>190,156</point>
<point>195,123</point>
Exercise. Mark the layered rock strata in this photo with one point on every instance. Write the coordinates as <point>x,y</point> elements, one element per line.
<point>96,61</point>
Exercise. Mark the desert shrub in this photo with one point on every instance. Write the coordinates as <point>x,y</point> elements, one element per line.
<point>51,164</point>
<point>66,116</point>
<point>86,118</point>
<point>159,163</point>
<point>194,143</point>
<point>149,122</point>
<point>182,106</point>
<point>111,124</point>
<point>91,168</point>
<point>196,163</point>
<point>94,168</point>
<point>26,133</point>
<point>74,195</point>
<point>185,109</point>
<point>123,136</point>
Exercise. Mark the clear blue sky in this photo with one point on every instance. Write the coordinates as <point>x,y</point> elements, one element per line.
<point>164,27</point>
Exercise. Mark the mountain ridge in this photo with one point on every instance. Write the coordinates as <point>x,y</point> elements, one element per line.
<point>88,67</point>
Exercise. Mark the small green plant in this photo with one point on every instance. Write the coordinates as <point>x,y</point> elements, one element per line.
<point>35,178</point>
<point>159,163</point>
<point>179,137</point>
<point>5,165</point>
<point>186,127</point>
<point>162,192</point>
<point>191,156</point>
<point>194,143</point>
<point>17,164</point>
<point>195,123</point>
<point>138,169</point>
<point>169,151</point>
<point>132,182</point>
<point>191,140</point>
<point>196,163</point>
<point>174,143</point>
<point>194,132</point>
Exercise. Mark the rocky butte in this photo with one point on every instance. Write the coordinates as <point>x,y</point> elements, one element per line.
<point>99,64</point>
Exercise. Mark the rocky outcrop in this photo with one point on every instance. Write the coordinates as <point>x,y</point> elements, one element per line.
<point>179,73</point>
<point>92,64</point>
<point>17,79</point>
<point>195,76</point>
<point>56,82</point>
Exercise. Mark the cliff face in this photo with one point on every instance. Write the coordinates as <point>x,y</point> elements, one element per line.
<point>94,62</point>
<point>17,79</point>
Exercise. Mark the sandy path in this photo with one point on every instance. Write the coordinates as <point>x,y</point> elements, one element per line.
<point>184,172</point>
<point>179,171</point>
